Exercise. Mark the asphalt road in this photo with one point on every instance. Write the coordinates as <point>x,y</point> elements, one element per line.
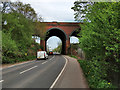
<point>34,74</point>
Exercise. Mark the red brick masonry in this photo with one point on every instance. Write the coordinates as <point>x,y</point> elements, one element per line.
<point>67,27</point>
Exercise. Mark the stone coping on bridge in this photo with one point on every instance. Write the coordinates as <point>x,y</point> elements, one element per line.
<point>63,23</point>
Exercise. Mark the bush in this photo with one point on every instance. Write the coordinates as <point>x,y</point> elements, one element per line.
<point>95,72</point>
<point>17,32</point>
<point>16,39</point>
<point>100,40</point>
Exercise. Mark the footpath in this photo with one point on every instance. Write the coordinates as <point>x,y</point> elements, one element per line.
<point>72,76</point>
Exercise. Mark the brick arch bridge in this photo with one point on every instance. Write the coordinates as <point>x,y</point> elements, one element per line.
<point>63,30</point>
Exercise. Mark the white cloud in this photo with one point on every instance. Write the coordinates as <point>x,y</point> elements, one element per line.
<point>52,42</point>
<point>74,39</point>
<point>53,10</point>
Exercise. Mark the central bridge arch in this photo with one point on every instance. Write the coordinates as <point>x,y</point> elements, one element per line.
<point>59,33</point>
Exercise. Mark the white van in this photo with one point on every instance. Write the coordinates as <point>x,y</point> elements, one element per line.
<point>42,55</point>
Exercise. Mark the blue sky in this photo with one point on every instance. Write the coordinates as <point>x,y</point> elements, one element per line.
<point>53,10</point>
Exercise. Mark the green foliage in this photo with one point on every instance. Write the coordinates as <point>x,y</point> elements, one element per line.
<point>81,9</point>
<point>59,48</point>
<point>9,46</point>
<point>40,29</point>
<point>73,56</point>
<point>24,9</point>
<point>17,31</point>
<point>17,25</point>
<point>100,40</point>
<point>36,47</point>
<point>95,72</point>
<point>101,36</point>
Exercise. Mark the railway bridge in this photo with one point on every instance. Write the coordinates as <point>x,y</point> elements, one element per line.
<point>63,30</point>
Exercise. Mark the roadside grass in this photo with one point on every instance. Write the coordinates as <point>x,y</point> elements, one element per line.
<point>74,56</point>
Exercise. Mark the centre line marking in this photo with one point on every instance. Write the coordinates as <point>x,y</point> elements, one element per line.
<point>44,62</point>
<point>52,57</point>
<point>28,69</point>
<point>1,81</point>
<point>47,61</point>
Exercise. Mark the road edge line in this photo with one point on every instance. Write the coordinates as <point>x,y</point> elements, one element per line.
<point>1,81</point>
<point>59,75</point>
<point>17,64</point>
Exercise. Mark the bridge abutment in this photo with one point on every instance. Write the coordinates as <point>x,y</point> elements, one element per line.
<point>67,46</point>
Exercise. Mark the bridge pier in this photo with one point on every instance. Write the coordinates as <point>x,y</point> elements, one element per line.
<point>67,45</point>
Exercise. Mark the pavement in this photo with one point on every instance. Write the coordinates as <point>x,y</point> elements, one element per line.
<point>73,76</point>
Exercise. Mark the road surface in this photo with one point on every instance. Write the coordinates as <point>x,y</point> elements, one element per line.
<point>34,74</point>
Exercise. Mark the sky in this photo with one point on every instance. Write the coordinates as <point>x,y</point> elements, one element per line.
<point>53,10</point>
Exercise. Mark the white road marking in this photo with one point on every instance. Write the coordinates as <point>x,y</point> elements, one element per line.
<point>49,60</point>
<point>28,69</point>
<point>1,81</point>
<point>52,57</point>
<point>59,75</point>
<point>44,62</point>
<point>12,66</point>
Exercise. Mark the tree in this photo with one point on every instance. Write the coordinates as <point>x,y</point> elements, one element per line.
<point>40,29</point>
<point>26,10</point>
<point>81,9</point>
<point>99,39</point>
<point>102,32</point>
<point>19,7</point>
<point>5,7</point>
<point>16,33</point>
<point>59,48</point>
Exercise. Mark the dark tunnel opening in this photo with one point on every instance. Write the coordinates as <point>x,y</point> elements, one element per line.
<point>59,33</point>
